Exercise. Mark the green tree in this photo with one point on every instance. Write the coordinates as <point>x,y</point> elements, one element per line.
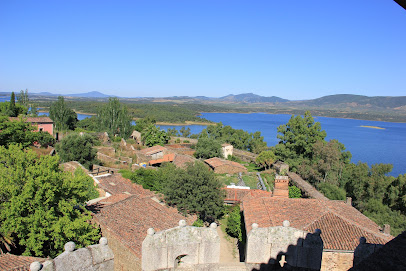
<point>23,99</point>
<point>172,132</point>
<point>16,131</point>
<point>153,135</point>
<point>294,192</point>
<point>143,123</point>
<point>265,159</point>
<point>12,106</point>
<point>234,228</point>
<point>207,148</point>
<point>64,118</point>
<point>185,132</point>
<point>39,204</point>
<point>114,119</point>
<point>76,147</point>
<point>296,140</point>
<point>194,190</point>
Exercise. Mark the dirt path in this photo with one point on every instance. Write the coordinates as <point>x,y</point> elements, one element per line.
<point>228,248</point>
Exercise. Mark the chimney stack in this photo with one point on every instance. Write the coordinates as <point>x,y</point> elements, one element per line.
<point>386,229</point>
<point>281,189</point>
<point>349,201</point>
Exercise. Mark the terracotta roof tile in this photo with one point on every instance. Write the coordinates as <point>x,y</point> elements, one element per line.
<point>166,158</point>
<point>130,219</point>
<point>116,184</point>
<point>181,160</point>
<point>341,225</point>
<point>10,262</point>
<point>216,162</point>
<point>152,150</point>
<point>34,119</point>
<point>237,195</point>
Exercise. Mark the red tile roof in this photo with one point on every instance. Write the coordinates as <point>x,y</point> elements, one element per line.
<point>34,120</point>
<point>129,220</point>
<point>166,158</point>
<point>217,162</point>
<point>181,160</point>
<point>152,150</point>
<point>237,195</point>
<point>341,225</point>
<point>116,184</point>
<point>10,262</point>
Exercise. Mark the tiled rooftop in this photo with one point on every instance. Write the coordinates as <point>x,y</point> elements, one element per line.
<point>341,225</point>
<point>166,158</point>
<point>237,195</point>
<point>10,262</point>
<point>152,150</point>
<point>181,160</point>
<point>216,162</point>
<point>34,119</point>
<point>116,184</point>
<point>129,219</point>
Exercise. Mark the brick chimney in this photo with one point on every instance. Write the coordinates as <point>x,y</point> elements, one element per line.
<point>349,201</point>
<point>281,189</point>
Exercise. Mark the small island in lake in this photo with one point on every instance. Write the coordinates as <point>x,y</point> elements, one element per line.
<point>372,127</point>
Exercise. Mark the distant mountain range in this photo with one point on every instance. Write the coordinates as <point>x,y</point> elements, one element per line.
<point>336,101</point>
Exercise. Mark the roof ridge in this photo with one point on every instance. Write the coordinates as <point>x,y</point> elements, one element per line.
<point>353,223</point>
<point>356,222</point>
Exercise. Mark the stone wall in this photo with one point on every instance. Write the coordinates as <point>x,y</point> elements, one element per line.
<point>285,245</point>
<point>108,159</point>
<point>245,155</point>
<point>336,260</point>
<point>183,246</point>
<point>92,258</point>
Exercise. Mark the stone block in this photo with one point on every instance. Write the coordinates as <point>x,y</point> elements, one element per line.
<point>78,260</point>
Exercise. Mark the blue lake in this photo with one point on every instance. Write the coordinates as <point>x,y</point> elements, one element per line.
<point>366,144</point>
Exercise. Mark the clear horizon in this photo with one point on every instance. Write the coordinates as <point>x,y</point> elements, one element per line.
<point>297,50</point>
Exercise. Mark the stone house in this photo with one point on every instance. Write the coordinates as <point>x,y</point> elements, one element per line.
<point>151,153</point>
<point>227,149</point>
<point>224,166</point>
<point>137,137</point>
<point>42,124</point>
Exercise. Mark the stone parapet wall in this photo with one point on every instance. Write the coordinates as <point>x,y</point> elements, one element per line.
<point>183,246</point>
<point>336,260</point>
<point>92,258</point>
<point>245,155</point>
<point>284,245</point>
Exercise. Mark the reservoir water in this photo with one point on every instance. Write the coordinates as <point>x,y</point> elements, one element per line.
<point>368,145</point>
<point>387,145</point>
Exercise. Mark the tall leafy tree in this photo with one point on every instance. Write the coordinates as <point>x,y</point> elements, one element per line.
<point>12,106</point>
<point>76,147</point>
<point>296,139</point>
<point>153,135</point>
<point>16,132</point>
<point>114,118</point>
<point>23,98</point>
<point>207,148</point>
<point>195,190</point>
<point>39,204</point>
<point>265,159</point>
<point>64,118</point>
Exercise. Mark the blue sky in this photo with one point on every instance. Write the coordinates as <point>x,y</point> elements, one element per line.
<point>292,49</point>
